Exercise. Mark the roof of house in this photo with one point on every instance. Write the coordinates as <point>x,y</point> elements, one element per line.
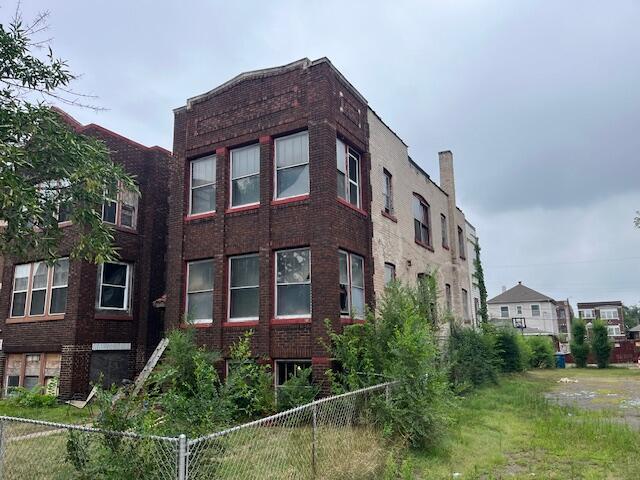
<point>520,293</point>
<point>634,329</point>
<point>616,303</point>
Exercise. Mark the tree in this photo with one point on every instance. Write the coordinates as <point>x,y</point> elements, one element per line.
<point>479,276</point>
<point>579,346</point>
<point>631,316</point>
<point>47,170</point>
<point>600,344</point>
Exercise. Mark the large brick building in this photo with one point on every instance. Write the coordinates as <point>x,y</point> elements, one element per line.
<point>78,321</point>
<point>277,216</point>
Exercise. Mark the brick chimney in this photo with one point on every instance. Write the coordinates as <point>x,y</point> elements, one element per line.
<point>448,184</point>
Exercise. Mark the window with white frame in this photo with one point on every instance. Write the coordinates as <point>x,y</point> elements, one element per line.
<point>56,191</point>
<point>504,311</point>
<point>199,301</point>
<point>287,369</point>
<point>387,192</point>
<point>292,165</point>
<point>348,161</point>
<point>245,176</point>
<point>535,310</point>
<point>120,207</point>
<point>202,196</point>
<point>519,310</point>
<point>351,284</point>
<point>586,313</point>
<point>293,283</point>
<point>609,313</point>
<point>389,273</point>
<point>114,283</point>
<point>421,221</point>
<point>613,330</point>
<point>39,289</point>
<point>244,287</point>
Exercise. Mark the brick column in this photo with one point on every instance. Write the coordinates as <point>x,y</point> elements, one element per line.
<point>74,371</point>
<point>3,360</point>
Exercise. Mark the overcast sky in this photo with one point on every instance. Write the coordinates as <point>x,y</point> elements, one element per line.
<point>538,100</point>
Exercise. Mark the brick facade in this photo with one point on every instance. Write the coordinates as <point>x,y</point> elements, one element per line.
<point>82,323</point>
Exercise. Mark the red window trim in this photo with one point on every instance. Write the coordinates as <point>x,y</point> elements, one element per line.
<point>243,208</point>
<point>199,216</point>
<point>346,164</point>
<point>290,321</point>
<point>352,207</point>
<point>195,325</point>
<point>229,161</point>
<point>352,321</point>
<point>245,324</point>
<point>297,198</point>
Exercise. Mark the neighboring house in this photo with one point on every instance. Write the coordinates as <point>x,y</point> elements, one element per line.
<point>611,313</point>
<point>81,322</point>
<point>278,202</point>
<point>417,227</point>
<point>634,333</point>
<point>538,311</point>
<point>565,314</point>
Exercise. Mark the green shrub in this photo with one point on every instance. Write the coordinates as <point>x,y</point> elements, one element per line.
<point>512,350</point>
<point>579,345</point>
<point>472,357</point>
<point>600,343</point>
<point>298,390</point>
<point>542,352</point>
<point>31,398</point>
<point>397,342</point>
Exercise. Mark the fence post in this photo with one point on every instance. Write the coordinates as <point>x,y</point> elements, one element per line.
<point>182,457</point>
<point>314,446</point>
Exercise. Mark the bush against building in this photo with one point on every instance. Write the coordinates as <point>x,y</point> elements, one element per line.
<point>512,350</point>
<point>541,352</point>
<point>472,357</point>
<point>600,344</point>
<point>579,345</point>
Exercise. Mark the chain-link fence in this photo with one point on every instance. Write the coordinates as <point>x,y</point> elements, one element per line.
<point>334,437</point>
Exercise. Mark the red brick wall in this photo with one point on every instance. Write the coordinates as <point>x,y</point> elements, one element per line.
<point>259,109</point>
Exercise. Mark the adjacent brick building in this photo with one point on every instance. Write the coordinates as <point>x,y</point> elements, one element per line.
<point>611,312</point>
<point>78,321</point>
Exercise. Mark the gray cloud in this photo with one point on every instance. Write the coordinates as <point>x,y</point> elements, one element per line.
<point>538,101</point>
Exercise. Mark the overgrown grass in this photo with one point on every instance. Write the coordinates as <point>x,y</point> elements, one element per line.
<point>60,413</point>
<point>511,431</point>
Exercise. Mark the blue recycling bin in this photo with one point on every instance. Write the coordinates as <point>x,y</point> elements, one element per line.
<point>560,360</point>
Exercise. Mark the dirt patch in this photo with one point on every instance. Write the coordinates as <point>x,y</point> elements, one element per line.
<point>618,395</point>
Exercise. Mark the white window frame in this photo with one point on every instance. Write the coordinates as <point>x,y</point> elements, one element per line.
<point>53,287</point>
<point>127,287</point>
<point>276,284</point>
<point>27,301</point>
<point>614,329</point>
<point>214,183</point>
<point>609,314</point>
<point>349,151</point>
<point>276,169</point>
<point>46,289</point>
<point>519,310</point>
<point>229,288</point>
<point>352,314</point>
<point>29,291</point>
<point>591,313</point>
<point>212,290</point>
<point>232,179</point>
<point>501,311</point>
<point>539,310</point>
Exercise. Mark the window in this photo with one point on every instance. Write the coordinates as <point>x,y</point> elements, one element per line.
<point>387,192</point>
<point>504,312</point>
<point>389,273</point>
<point>461,243</point>
<point>287,369</point>
<point>56,191</point>
<point>199,306</point>
<point>120,207</point>
<point>348,173</point>
<point>613,330</point>
<point>244,281</point>
<point>31,370</point>
<point>445,231</point>
<point>465,304</point>
<point>351,284</point>
<point>292,165</point>
<point>422,232</point>
<point>609,313</point>
<point>38,288</point>
<point>476,306</point>
<point>535,310</point>
<point>114,286</point>
<point>519,310</point>
<point>202,197</point>
<point>448,299</point>
<point>587,313</point>
<point>245,176</point>
<point>293,283</point>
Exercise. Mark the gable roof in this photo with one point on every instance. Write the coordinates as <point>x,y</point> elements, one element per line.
<point>635,329</point>
<point>520,293</point>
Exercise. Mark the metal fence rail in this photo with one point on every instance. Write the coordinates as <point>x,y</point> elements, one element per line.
<point>334,437</point>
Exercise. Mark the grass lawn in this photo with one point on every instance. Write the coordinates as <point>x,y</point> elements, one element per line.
<point>512,431</point>
<point>59,413</point>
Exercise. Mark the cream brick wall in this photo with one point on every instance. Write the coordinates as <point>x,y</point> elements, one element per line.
<point>393,242</point>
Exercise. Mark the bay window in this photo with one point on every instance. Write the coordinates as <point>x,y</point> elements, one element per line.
<point>421,221</point>
<point>199,302</point>
<point>348,162</point>
<point>245,176</point>
<point>39,289</point>
<point>292,165</point>
<point>244,281</point>
<point>114,281</point>
<point>202,195</point>
<point>351,268</point>
<point>293,283</point>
